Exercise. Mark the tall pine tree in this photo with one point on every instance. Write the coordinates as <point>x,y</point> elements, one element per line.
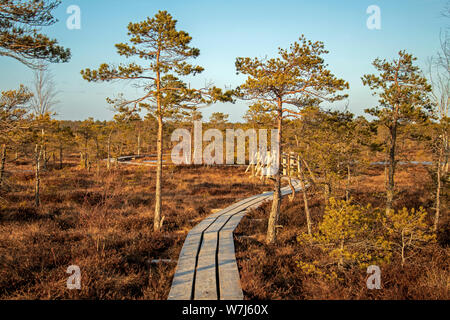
<point>403,98</point>
<point>294,79</point>
<point>165,52</point>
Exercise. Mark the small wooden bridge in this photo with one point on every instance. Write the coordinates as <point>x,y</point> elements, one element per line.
<point>207,268</point>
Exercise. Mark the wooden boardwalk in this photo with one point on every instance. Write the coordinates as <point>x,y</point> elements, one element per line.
<point>207,268</point>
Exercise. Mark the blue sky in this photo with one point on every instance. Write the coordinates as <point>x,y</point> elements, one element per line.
<point>224,30</point>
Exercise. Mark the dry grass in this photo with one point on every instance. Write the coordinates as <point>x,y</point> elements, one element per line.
<point>103,223</point>
<point>270,272</point>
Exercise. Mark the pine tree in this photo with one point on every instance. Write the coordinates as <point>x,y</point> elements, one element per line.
<point>64,138</point>
<point>261,114</point>
<point>347,235</point>
<point>403,98</point>
<point>13,121</point>
<point>165,51</point>
<point>294,79</point>
<point>20,37</point>
<point>408,230</point>
<point>218,119</point>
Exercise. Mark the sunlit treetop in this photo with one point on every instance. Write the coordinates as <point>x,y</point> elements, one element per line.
<point>20,37</point>
<point>298,76</point>
<point>165,51</point>
<point>402,89</point>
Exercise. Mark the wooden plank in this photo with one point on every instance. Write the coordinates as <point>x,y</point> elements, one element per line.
<point>229,280</point>
<point>233,223</point>
<point>183,279</point>
<point>216,227</point>
<point>205,281</point>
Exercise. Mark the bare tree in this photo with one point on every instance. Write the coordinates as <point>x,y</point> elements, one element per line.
<point>45,93</point>
<point>439,74</point>
<point>43,102</point>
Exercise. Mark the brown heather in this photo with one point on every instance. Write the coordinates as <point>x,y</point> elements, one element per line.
<point>271,272</point>
<point>102,222</point>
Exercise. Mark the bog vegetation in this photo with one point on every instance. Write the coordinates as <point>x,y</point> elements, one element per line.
<point>66,198</point>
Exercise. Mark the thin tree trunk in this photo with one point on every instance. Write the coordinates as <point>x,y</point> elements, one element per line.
<point>108,164</point>
<point>275,210</point>
<point>86,160</point>
<point>438,190</point>
<point>37,152</point>
<point>159,145</point>
<point>391,167</point>
<point>386,172</point>
<point>85,156</point>
<point>139,143</point>
<point>347,191</point>
<point>311,174</point>
<point>2,164</point>
<point>403,248</point>
<point>157,218</point>
<point>97,150</point>
<point>438,201</point>
<point>44,157</point>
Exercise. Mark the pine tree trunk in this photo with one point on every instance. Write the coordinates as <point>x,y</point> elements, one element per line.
<point>347,186</point>
<point>97,150</point>
<point>403,248</point>
<point>159,145</point>
<point>37,155</point>
<point>391,167</point>
<point>438,201</point>
<point>44,157</point>
<point>85,156</point>
<point>108,164</point>
<point>139,144</point>
<point>311,174</point>
<point>43,150</point>
<point>275,210</point>
<point>438,190</point>
<point>386,172</point>
<point>2,164</point>
<point>157,218</point>
<point>86,160</point>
